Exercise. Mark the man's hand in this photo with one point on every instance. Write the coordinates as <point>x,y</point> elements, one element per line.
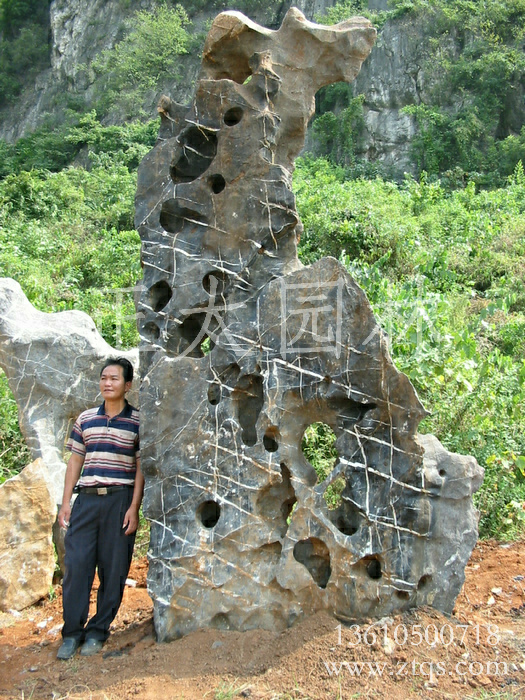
<point>64,515</point>
<point>74,467</point>
<point>131,520</point>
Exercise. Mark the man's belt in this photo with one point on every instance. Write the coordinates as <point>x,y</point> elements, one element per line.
<point>100,490</point>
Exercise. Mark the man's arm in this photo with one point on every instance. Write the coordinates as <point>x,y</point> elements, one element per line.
<point>74,467</point>
<point>131,519</point>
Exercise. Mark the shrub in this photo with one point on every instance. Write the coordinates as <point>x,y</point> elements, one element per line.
<point>148,54</point>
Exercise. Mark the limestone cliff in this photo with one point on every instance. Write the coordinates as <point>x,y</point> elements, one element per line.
<point>392,77</point>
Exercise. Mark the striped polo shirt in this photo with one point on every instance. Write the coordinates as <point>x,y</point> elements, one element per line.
<point>110,446</point>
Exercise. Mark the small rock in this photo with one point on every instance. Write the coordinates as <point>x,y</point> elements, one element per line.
<point>389,646</point>
<point>217,644</point>
<point>385,621</point>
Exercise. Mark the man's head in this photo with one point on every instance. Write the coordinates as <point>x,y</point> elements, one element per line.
<point>115,379</point>
<point>127,367</point>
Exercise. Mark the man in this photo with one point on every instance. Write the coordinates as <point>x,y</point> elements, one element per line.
<point>104,469</point>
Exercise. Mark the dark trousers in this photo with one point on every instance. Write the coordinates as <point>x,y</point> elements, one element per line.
<point>95,540</point>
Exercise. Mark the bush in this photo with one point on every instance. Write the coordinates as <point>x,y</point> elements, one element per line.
<point>148,54</point>
<point>444,273</point>
<point>24,48</point>
<point>14,454</point>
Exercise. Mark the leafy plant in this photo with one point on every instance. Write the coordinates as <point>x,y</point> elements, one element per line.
<point>24,49</point>
<point>148,54</point>
<point>443,270</point>
<point>318,447</point>
<point>14,454</point>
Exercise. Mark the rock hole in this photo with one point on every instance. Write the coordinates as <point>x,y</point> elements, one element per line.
<point>403,595</point>
<point>173,216</point>
<point>189,333</point>
<point>276,501</point>
<point>217,183</point>
<point>349,412</point>
<point>214,282</point>
<point>346,526</point>
<point>289,504</point>
<point>318,447</point>
<point>233,116</point>
<point>221,621</point>
<point>347,517</point>
<point>159,295</point>
<point>315,556</point>
<point>442,472</point>
<point>271,552</point>
<point>424,581</point>
<point>191,327</point>
<point>198,149</point>
<point>150,331</point>
<point>209,513</point>
<point>248,399</point>
<point>373,568</point>
<point>271,439</point>
<point>214,393</point>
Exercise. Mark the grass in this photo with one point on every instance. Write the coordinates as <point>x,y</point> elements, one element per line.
<point>227,691</point>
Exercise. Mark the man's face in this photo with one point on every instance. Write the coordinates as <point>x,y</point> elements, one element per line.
<point>112,384</point>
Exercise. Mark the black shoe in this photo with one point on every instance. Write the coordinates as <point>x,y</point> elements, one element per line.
<point>91,646</point>
<point>68,648</point>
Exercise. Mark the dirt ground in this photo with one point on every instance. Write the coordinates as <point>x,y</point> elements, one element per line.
<point>479,652</point>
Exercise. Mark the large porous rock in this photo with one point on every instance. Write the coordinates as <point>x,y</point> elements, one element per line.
<point>243,348</point>
<point>451,480</point>
<point>52,363</point>
<point>27,561</point>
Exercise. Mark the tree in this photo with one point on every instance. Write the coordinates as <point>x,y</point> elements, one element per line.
<point>148,54</point>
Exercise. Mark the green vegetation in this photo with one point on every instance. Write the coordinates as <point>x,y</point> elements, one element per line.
<point>68,238</point>
<point>443,270</point>
<point>24,49</point>
<point>440,258</point>
<point>148,54</point>
<point>470,115</point>
<point>14,454</point>
<point>318,446</point>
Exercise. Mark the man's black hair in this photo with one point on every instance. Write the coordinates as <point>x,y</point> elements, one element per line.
<point>127,367</point>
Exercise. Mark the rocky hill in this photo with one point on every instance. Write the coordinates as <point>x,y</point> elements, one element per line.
<point>401,71</point>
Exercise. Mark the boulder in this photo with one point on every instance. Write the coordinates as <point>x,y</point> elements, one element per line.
<point>52,362</point>
<point>27,560</point>
<point>243,348</point>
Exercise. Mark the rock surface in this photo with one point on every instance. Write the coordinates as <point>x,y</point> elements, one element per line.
<point>52,363</point>
<point>395,75</point>
<point>27,561</point>
<point>243,348</point>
